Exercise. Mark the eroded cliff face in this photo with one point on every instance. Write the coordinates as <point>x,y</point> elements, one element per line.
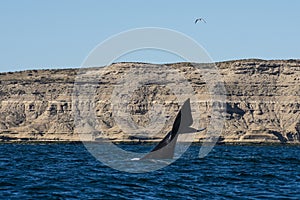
<point>263,100</point>
<point>262,105</point>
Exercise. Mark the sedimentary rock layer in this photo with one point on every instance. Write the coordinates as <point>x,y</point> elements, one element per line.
<point>262,102</point>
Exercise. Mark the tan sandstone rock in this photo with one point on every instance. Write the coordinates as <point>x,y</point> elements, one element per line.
<point>262,105</point>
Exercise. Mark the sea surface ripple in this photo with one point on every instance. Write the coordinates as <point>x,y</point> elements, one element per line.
<point>69,171</point>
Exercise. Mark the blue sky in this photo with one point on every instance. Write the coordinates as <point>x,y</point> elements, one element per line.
<point>59,34</point>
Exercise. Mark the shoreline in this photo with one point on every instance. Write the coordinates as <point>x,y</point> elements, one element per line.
<point>240,143</point>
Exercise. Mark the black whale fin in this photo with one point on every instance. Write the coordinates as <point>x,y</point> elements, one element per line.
<point>165,148</point>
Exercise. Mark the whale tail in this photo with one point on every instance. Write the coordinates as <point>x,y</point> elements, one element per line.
<point>165,148</point>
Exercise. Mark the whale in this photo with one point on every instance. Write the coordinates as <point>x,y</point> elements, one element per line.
<point>182,124</point>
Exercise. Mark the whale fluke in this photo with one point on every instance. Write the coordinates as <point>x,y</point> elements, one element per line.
<point>165,148</point>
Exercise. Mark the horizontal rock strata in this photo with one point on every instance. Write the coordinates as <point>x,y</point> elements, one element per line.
<point>262,102</point>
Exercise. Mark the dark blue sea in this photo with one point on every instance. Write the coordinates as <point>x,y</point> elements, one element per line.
<point>69,171</point>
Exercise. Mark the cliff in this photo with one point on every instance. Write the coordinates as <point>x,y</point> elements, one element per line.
<point>262,105</point>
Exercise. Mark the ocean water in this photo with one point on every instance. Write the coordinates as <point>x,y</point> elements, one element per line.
<point>69,171</point>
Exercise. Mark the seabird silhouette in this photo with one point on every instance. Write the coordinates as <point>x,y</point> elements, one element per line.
<point>199,19</point>
<point>165,148</point>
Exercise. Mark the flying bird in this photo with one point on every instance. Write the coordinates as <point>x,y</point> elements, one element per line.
<point>199,19</point>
